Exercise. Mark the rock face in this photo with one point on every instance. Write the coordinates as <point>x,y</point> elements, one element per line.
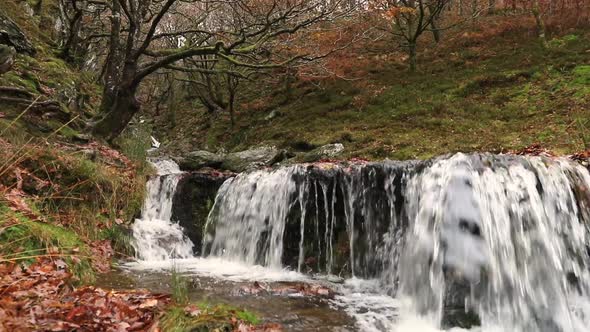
<point>194,198</point>
<point>12,35</point>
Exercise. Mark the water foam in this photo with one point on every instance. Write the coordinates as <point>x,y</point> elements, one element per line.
<point>156,237</point>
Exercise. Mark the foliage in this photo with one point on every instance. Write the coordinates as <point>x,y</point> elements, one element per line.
<point>134,143</point>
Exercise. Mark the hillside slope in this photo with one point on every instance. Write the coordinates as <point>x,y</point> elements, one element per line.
<point>492,89</point>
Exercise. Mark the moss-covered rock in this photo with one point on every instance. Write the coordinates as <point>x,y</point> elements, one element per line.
<point>327,151</point>
<point>252,159</point>
<point>12,35</point>
<point>198,159</point>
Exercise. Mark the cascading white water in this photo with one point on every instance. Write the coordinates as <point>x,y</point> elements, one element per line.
<point>251,207</point>
<point>514,232</point>
<point>502,236</point>
<point>156,236</point>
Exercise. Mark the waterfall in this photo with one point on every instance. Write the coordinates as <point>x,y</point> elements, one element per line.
<point>249,212</point>
<point>156,236</point>
<point>504,238</point>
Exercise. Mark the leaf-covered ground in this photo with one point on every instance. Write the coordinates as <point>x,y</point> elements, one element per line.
<point>39,297</point>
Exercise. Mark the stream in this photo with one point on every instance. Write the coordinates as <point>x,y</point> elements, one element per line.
<point>475,242</point>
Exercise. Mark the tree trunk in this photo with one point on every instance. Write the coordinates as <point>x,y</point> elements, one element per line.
<point>435,31</point>
<point>412,55</point>
<point>38,7</point>
<point>536,10</point>
<point>72,40</point>
<point>491,7</point>
<point>231,110</point>
<point>117,113</point>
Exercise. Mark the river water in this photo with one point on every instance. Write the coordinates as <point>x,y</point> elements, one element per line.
<point>458,243</point>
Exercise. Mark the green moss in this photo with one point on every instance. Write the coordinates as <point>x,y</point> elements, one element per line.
<point>14,79</point>
<point>120,238</point>
<point>563,41</point>
<point>24,239</point>
<point>581,75</point>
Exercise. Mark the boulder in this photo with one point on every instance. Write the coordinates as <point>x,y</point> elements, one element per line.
<point>253,159</point>
<point>323,152</point>
<point>235,162</point>
<point>12,35</point>
<point>198,159</point>
<point>7,54</point>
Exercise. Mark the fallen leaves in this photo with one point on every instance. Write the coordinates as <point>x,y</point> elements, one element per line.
<point>583,156</point>
<point>192,310</point>
<point>39,297</point>
<point>533,150</point>
<point>17,203</point>
<point>226,318</point>
<point>102,252</point>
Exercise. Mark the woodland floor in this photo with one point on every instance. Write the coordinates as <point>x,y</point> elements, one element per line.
<point>492,89</point>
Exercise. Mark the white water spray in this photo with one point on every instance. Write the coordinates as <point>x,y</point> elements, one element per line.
<point>156,236</point>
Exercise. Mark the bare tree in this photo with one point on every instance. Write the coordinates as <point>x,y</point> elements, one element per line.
<point>411,18</point>
<point>149,36</point>
<point>536,11</point>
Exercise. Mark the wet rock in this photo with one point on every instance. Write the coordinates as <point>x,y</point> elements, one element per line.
<point>12,35</point>
<point>253,158</point>
<point>461,318</point>
<point>7,54</point>
<point>198,159</point>
<point>327,151</point>
<point>194,198</point>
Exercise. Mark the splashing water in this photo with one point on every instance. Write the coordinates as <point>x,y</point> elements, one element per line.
<point>512,230</point>
<point>504,237</point>
<point>499,241</point>
<point>156,236</point>
<point>249,207</point>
